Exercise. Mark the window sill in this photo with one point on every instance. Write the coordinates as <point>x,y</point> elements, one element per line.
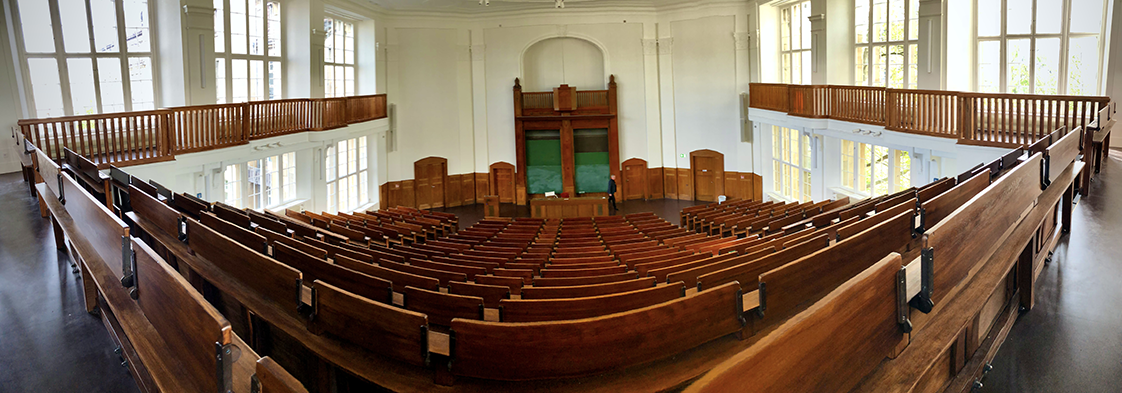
<point>780,198</point>
<point>853,195</point>
<point>287,205</point>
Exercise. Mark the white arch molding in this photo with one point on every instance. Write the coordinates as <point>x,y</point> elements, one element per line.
<point>522,66</point>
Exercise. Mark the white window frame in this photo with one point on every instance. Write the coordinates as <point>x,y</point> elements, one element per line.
<point>855,176</point>
<point>356,174</point>
<point>226,57</point>
<point>1065,37</point>
<point>800,185</point>
<point>336,64</point>
<point>789,25</point>
<point>61,57</point>
<point>246,195</point>
<point>910,46</point>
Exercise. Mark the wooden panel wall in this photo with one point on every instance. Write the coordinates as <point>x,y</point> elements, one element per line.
<point>409,192</point>
<point>654,188</point>
<point>467,189</point>
<point>452,190</point>
<point>482,186</point>
<point>685,184</point>
<point>670,182</point>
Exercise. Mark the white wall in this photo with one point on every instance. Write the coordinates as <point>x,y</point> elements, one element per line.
<point>706,104</point>
<point>556,61</point>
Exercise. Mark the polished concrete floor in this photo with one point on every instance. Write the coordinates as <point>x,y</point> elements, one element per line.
<point>48,343</point>
<point>1071,341</point>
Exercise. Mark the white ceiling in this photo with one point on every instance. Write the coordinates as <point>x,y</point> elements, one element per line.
<point>510,5</point>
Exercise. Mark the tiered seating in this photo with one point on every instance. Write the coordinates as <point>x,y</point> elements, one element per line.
<point>402,299</point>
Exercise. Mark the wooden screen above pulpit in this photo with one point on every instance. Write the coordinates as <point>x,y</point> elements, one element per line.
<point>567,141</point>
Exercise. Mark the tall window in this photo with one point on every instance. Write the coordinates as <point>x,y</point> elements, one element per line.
<point>262,183</point>
<point>247,42</point>
<point>791,154</point>
<point>875,170</point>
<point>1040,46</point>
<point>346,175</point>
<point>887,48</point>
<point>795,41</point>
<point>338,58</point>
<point>86,56</point>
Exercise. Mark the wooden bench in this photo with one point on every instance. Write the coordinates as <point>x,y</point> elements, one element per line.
<point>843,337</point>
<point>377,327</point>
<point>558,309</point>
<point>571,281</point>
<point>88,176</point>
<point>587,290</point>
<point>515,284</point>
<point>312,268</point>
<point>491,294</point>
<point>512,351</point>
<point>270,377</point>
<point>442,308</point>
<point>239,234</point>
<point>747,274</point>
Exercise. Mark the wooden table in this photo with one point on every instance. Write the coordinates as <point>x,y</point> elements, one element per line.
<point>568,207</point>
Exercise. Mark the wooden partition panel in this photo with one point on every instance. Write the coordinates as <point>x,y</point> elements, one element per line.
<point>513,351</point>
<point>271,279</point>
<point>655,180</point>
<point>838,341</point>
<point>106,233</point>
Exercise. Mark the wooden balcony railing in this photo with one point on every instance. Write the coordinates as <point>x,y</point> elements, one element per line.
<point>132,138</point>
<point>1003,120</point>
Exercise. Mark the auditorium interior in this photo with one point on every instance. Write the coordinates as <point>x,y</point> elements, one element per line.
<point>560,195</point>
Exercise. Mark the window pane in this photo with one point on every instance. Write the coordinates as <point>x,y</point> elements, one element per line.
<point>83,98</point>
<point>362,154</point>
<point>239,70</point>
<point>75,28</point>
<point>847,164</point>
<point>330,166</point>
<point>136,26</point>
<point>332,205</point>
<point>46,86</point>
<point>253,177</point>
<point>786,68</point>
<point>913,20</point>
<point>104,13</point>
<point>272,181</point>
<point>140,76</point>
<point>328,81</point>
<point>220,79</point>
<point>880,20</point>
<point>785,30</point>
<point>256,80</point>
<point>989,18</point>
<point>274,29</point>
<point>879,66</point>
<point>903,170</point>
<point>796,27</point>
<point>112,85</point>
<point>989,67</point>
<point>237,27</point>
<point>329,41</point>
<point>344,190</point>
<point>806,67</point>
<point>797,67</point>
<point>861,21</point>
<point>35,19</point>
<point>1047,66</point>
<point>913,60</point>
<point>349,41</point>
<point>339,92</point>
<point>1082,66</point>
<point>1018,17</point>
<point>1086,16</point>
<point>861,77</point>
<point>219,26</point>
<point>1049,13</point>
<point>275,80</point>
<point>1017,66</point>
<point>349,80</point>
<point>896,20</point>
<point>289,175</point>
<point>805,24</point>
<point>896,66</point>
<point>880,170</point>
<point>362,188</point>
<point>793,144</point>
<point>342,149</point>
<point>256,27</point>
<point>806,152</point>
<point>232,186</point>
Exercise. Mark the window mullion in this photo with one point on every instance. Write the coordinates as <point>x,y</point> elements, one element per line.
<point>1065,36</point>
<point>93,57</point>
<point>122,53</point>
<point>60,59</point>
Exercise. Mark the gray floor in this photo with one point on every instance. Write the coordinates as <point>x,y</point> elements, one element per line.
<point>1071,341</point>
<point>49,343</point>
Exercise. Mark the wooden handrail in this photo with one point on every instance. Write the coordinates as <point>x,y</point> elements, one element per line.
<point>989,119</point>
<point>132,138</point>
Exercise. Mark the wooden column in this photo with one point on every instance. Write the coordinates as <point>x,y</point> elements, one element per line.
<point>568,162</point>
<point>613,129</point>
<point>519,147</point>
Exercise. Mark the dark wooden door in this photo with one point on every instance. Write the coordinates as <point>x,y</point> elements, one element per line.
<point>504,182</point>
<point>430,174</point>
<point>634,180</point>
<point>705,179</point>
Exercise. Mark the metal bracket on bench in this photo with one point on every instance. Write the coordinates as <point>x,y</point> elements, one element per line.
<point>919,222</point>
<point>61,190</point>
<point>902,300</point>
<point>763,299</point>
<point>1045,172</point>
<point>922,300</point>
<point>225,356</point>
<point>739,307</point>
<point>128,264</point>
<point>181,225</point>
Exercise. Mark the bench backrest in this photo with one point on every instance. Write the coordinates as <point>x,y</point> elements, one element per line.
<point>941,206</point>
<point>313,269</point>
<point>270,377</point>
<point>189,325</point>
<point>536,310</point>
<point>587,290</point>
<point>273,280</point>
<point>153,211</point>
<point>231,214</point>
<point>568,281</point>
<point>239,234</point>
<point>513,351</point>
<point>748,274</point>
<point>106,233</point>
<point>491,294</point>
<point>842,337</point>
<point>378,327</point>
<point>399,279</point>
<point>442,308</point>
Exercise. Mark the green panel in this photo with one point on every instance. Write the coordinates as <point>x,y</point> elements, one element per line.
<point>592,171</point>
<point>543,165</point>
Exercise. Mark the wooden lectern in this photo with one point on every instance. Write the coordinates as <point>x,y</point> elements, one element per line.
<point>491,206</point>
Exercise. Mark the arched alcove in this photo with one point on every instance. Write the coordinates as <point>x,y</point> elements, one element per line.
<point>563,60</point>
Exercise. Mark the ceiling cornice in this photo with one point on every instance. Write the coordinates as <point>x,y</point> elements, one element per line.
<point>574,9</point>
